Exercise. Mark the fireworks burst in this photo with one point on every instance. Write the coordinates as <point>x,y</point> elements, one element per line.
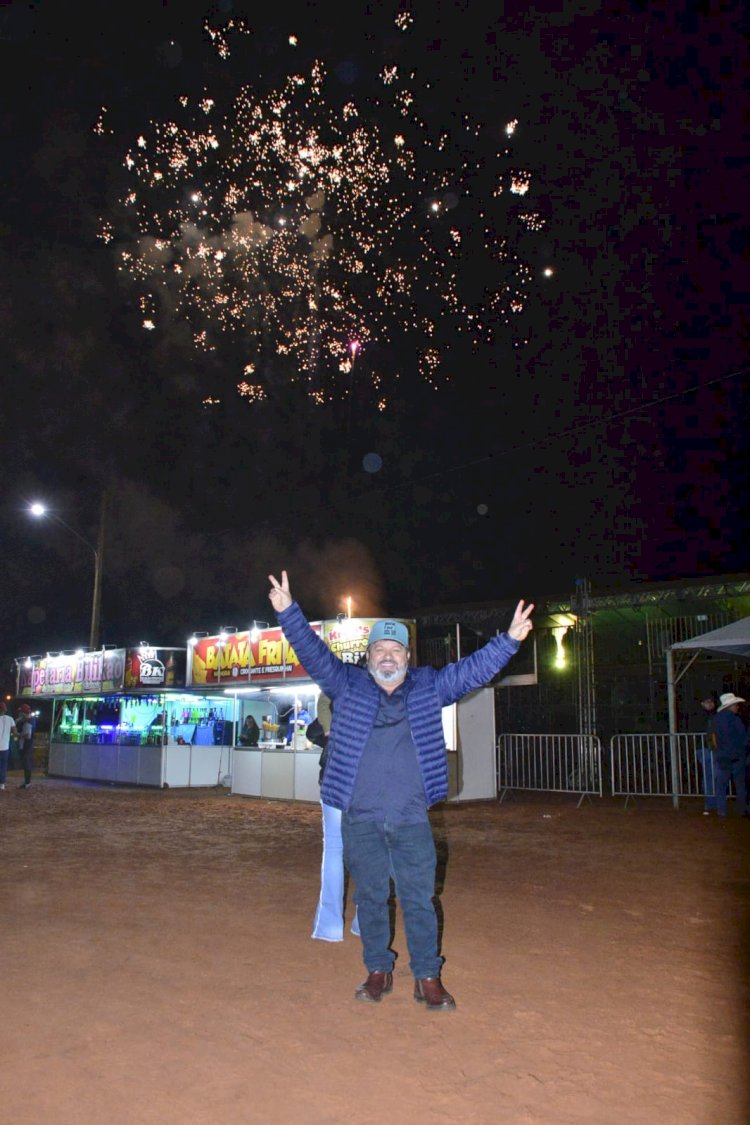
<point>313,228</point>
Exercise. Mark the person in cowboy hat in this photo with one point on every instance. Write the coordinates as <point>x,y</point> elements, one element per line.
<point>732,744</point>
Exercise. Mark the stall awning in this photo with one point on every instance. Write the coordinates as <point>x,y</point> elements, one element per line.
<point>733,639</point>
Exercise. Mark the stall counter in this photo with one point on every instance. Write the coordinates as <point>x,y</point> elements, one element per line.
<point>171,766</point>
<point>276,773</point>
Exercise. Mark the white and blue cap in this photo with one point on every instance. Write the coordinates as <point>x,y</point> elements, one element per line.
<point>388,630</point>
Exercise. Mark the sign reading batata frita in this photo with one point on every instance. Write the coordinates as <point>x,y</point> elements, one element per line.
<point>266,657</point>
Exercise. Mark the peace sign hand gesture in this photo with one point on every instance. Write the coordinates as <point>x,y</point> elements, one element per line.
<point>279,595</point>
<point>521,625</point>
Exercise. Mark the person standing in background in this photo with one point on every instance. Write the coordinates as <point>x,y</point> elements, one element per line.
<point>328,924</point>
<point>25,728</point>
<point>250,732</point>
<point>731,753</point>
<point>707,755</point>
<point>7,729</point>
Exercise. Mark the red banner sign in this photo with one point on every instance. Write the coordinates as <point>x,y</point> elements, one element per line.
<point>238,659</point>
<point>269,658</point>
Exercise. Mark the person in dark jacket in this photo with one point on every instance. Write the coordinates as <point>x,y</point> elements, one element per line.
<point>709,706</point>
<point>387,764</point>
<point>731,753</point>
<point>25,728</point>
<point>317,735</point>
<point>250,732</point>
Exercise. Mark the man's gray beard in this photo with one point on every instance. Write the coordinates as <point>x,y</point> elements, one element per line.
<point>387,677</point>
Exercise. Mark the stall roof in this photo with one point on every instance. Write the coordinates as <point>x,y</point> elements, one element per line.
<point>733,638</point>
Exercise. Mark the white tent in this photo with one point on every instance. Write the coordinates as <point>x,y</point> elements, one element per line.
<point>733,639</point>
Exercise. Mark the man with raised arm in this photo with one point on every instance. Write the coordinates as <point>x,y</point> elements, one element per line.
<point>386,766</point>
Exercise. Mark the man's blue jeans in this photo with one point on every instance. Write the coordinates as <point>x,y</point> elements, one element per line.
<point>375,852</point>
<point>707,766</point>
<point>724,772</point>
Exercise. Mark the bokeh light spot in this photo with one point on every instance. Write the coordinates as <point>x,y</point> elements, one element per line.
<point>372,462</point>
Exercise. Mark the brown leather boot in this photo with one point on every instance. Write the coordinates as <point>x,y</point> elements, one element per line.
<point>430,992</point>
<point>374,988</point>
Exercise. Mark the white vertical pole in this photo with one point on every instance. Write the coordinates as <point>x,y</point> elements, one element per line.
<point>672,706</point>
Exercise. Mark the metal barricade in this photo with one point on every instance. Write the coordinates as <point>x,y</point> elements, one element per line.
<point>550,763</point>
<point>660,765</point>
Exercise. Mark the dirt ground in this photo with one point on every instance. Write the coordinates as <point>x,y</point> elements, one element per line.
<point>157,967</point>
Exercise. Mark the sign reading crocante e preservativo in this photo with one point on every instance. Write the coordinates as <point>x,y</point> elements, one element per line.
<point>238,658</point>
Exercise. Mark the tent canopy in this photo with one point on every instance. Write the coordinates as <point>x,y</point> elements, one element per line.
<point>733,638</point>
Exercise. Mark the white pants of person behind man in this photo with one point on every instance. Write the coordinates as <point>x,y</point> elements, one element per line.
<point>329,916</point>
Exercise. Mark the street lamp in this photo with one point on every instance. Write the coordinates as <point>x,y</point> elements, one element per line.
<point>41,511</point>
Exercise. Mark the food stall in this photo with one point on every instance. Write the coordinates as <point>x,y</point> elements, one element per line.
<point>176,717</point>
<point>124,716</point>
<point>260,671</point>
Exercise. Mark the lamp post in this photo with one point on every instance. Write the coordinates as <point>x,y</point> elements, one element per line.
<point>225,632</point>
<point>256,629</point>
<point>41,511</point>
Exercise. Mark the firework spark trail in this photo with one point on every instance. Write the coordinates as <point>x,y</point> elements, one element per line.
<point>311,229</point>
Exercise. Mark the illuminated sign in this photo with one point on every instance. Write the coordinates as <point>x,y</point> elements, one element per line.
<point>349,637</point>
<point>236,658</point>
<point>148,667</point>
<point>70,674</point>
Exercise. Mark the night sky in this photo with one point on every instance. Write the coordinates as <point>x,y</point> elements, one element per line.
<point>527,429</point>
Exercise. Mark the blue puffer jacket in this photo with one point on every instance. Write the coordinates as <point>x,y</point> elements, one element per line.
<point>356,696</point>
